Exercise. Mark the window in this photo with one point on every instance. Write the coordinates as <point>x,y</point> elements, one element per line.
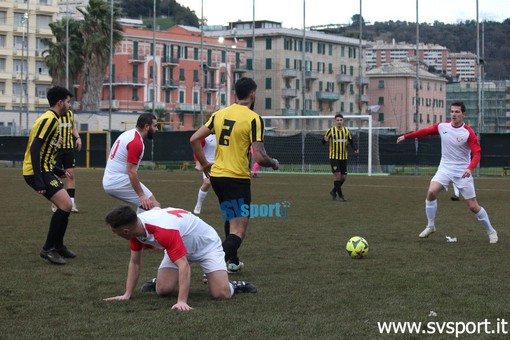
<point>330,68</point>
<point>181,97</point>
<point>195,76</point>
<point>167,96</point>
<point>351,107</point>
<point>134,95</point>
<point>342,51</point>
<point>268,83</point>
<point>249,42</point>
<point>380,101</point>
<point>2,17</point>
<point>351,89</point>
<point>223,99</point>
<point>2,41</point>
<point>209,98</point>
<point>268,103</point>
<point>249,64</point>
<point>195,97</point>
<point>181,75</point>
<point>381,84</point>
<point>269,65</point>
<point>269,44</point>
<point>223,56</point>
<point>151,72</point>
<point>2,64</point>
<point>195,53</point>
<point>381,117</point>
<point>330,49</point>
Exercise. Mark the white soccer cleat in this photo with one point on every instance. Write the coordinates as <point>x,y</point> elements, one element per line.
<point>233,268</point>
<point>427,231</point>
<point>74,209</point>
<point>197,209</point>
<point>493,238</point>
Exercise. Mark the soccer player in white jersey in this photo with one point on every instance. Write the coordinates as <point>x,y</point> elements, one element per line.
<point>120,178</point>
<point>209,148</point>
<point>184,238</point>
<point>458,143</point>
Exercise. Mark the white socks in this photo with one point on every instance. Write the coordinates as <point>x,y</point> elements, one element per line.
<point>483,217</point>
<point>231,289</point>
<point>201,197</point>
<point>430,211</point>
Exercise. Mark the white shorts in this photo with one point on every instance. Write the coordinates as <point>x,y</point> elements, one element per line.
<point>212,260</point>
<point>466,185</point>
<point>124,191</point>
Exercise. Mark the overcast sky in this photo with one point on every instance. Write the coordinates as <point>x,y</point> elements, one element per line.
<point>323,12</point>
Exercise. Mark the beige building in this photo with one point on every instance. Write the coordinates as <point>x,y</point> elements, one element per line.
<point>322,81</point>
<point>24,77</point>
<point>392,93</point>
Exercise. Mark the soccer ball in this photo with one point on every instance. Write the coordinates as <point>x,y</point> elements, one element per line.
<point>357,247</point>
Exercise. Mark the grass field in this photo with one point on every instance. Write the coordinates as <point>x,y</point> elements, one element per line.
<point>308,286</point>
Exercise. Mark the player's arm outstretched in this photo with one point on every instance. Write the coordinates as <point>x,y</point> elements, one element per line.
<point>260,156</point>
<point>134,268</point>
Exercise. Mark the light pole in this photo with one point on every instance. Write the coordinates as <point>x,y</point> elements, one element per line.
<point>202,70</point>
<point>24,74</point>
<point>67,44</point>
<point>154,58</point>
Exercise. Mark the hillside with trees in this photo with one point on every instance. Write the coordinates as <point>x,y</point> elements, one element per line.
<point>459,37</point>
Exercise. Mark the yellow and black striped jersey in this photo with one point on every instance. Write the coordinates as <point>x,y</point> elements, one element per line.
<point>46,128</point>
<point>235,127</point>
<point>66,130</point>
<point>338,139</point>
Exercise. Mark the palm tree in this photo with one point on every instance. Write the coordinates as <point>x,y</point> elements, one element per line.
<point>96,30</point>
<point>55,54</point>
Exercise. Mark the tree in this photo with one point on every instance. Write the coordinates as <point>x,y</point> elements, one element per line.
<point>55,55</point>
<point>96,30</point>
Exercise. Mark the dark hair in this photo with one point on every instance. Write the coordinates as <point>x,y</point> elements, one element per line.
<point>461,104</point>
<point>244,87</point>
<point>57,93</point>
<point>122,216</point>
<point>145,118</point>
<point>339,115</point>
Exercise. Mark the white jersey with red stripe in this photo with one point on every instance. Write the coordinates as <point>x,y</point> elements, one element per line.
<point>128,148</point>
<point>457,146</point>
<point>177,231</point>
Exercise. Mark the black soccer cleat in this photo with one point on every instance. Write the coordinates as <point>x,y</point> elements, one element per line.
<point>66,253</point>
<point>52,255</point>
<point>243,287</point>
<point>342,199</point>
<point>333,194</point>
<point>455,198</point>
<point>149,286</point>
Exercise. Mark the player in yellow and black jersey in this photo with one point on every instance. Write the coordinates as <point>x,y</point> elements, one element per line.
<point>41,174</point>
<point>338,137</point>
<point>236,127</point>
<point>65,155</point>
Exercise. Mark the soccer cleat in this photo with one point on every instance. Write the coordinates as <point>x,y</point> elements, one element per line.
<point>74,209</point>
<point>427,231</point>
<point>149,286</point>
<point>197,209</point>
<point>333,194</point>
<point>493,238</point>
<point>243,287</point>
<point>53,207</point>
<point>342,199</point>
<point>455,198</point>
<point>204,278</point>
<point>52,255</point>
<point>66,253</point>
<point>233,268</point>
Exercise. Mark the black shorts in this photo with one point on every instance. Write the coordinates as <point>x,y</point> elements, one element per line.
<point>52,184</point>
<point>65,159</point>
<point>339,165</point>
<point>234,195</point>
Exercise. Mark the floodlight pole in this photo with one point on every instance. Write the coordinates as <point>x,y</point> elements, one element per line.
<point>417,87</point>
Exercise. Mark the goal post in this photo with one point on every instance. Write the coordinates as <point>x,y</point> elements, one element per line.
<point>296,142</point>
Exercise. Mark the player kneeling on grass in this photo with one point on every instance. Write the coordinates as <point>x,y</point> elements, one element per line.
<point>184,238</point>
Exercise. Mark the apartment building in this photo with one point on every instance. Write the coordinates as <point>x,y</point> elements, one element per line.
<point>301,73</point>
<point>462,66</point>
<point>393,102</point>
<point>24,77</point>
<point>175,75</point>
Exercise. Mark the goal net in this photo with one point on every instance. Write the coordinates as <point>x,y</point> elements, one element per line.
<point>296,143</point>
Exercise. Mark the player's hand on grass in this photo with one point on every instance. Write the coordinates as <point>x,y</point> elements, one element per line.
<point>181,306</point>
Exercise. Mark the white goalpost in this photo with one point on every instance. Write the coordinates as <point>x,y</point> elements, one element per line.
<point>295,142</point>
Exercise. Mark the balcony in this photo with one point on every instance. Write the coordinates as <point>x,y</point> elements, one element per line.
<point>137,59</point>
<point>362,81</point>
<point>241,69</point>
<point>290,73</point>
<point>312,113</point>
<point>210,87</point>
<point>289,93</point>
<point>364,98</point>
<point>289,112</point>
<point>170,84</point>
<point>170,61</point>
<point>312,75</point>
<point>182,107</point>
<point>343,78</point>
<point>124,80</point>
<point>327,96</point>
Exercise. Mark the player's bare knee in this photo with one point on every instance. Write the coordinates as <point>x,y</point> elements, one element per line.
<point>221,294</point>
